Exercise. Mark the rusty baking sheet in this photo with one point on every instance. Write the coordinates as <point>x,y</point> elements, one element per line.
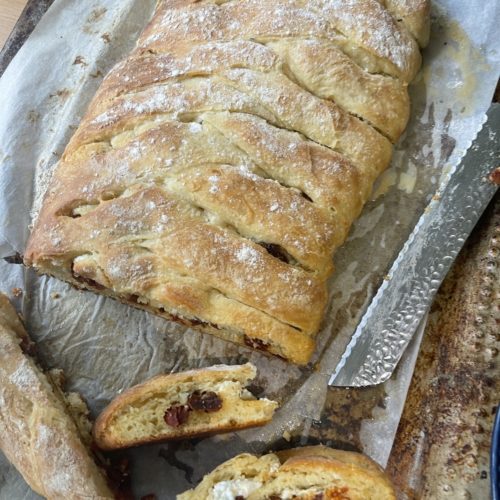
<point>442,447</point>
<point>443,442</point>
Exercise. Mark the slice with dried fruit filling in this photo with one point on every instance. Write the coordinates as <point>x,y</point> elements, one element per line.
<point>309,473</point>
<point>187,404</point>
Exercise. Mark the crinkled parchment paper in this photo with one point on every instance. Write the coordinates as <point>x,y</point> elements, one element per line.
<point>105,347</point>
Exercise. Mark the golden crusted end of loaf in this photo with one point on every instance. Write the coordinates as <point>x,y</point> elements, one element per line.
<point>39,432</point>
<point>306,473</point>
<point>186,404</point>
<point>414,15</point>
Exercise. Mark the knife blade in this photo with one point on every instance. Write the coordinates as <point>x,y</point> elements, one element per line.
<point>407,293</point>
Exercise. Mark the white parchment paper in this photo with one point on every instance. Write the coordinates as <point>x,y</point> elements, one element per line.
<point>105,347</point>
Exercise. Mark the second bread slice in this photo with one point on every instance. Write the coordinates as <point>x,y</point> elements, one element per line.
<point>187,404</point>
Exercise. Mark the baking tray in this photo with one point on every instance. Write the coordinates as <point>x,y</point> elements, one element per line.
<point>26,23</point>
<point>344,410</point>
<point>442,448</point>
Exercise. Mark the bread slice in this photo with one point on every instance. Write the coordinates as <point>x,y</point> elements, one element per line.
<point>187,404</point>
<point>44,433</point>
<point>310,473</point>
<point>239,476</point>
<point>319,472</point>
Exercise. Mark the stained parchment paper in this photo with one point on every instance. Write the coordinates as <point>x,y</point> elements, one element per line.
<point>105,347</point>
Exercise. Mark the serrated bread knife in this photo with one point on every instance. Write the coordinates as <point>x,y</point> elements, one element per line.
<point>415,276</point>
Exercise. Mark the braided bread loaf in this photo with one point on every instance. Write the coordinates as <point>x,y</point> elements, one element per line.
<point>221,164</point>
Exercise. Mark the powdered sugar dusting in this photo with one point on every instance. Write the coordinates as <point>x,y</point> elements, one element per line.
<point>191,96</point>
<point>202,59</point>
<point>282,96</point>
<point>25,376</point>
<point>364,27</point>
<point>195,127</point>
<point>214,179</point>
<point>248,255</point>
<point>370,25</point>
<point>62,478</point>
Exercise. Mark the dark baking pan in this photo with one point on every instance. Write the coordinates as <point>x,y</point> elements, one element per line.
<point>26,23</point>
<point>495,458</point>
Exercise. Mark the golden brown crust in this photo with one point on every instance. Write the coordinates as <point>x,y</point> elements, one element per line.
<point>37,433</point>
<point>139,405</point>
<point>326,71</point>
<point>414,14</point>
<point>307,473</point>
<point>222,163</point>
<point>362,28</point>
<point>335,478</point>
<point>324,451</point>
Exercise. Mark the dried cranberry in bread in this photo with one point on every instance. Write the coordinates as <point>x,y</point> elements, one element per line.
<point>180,405</point>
